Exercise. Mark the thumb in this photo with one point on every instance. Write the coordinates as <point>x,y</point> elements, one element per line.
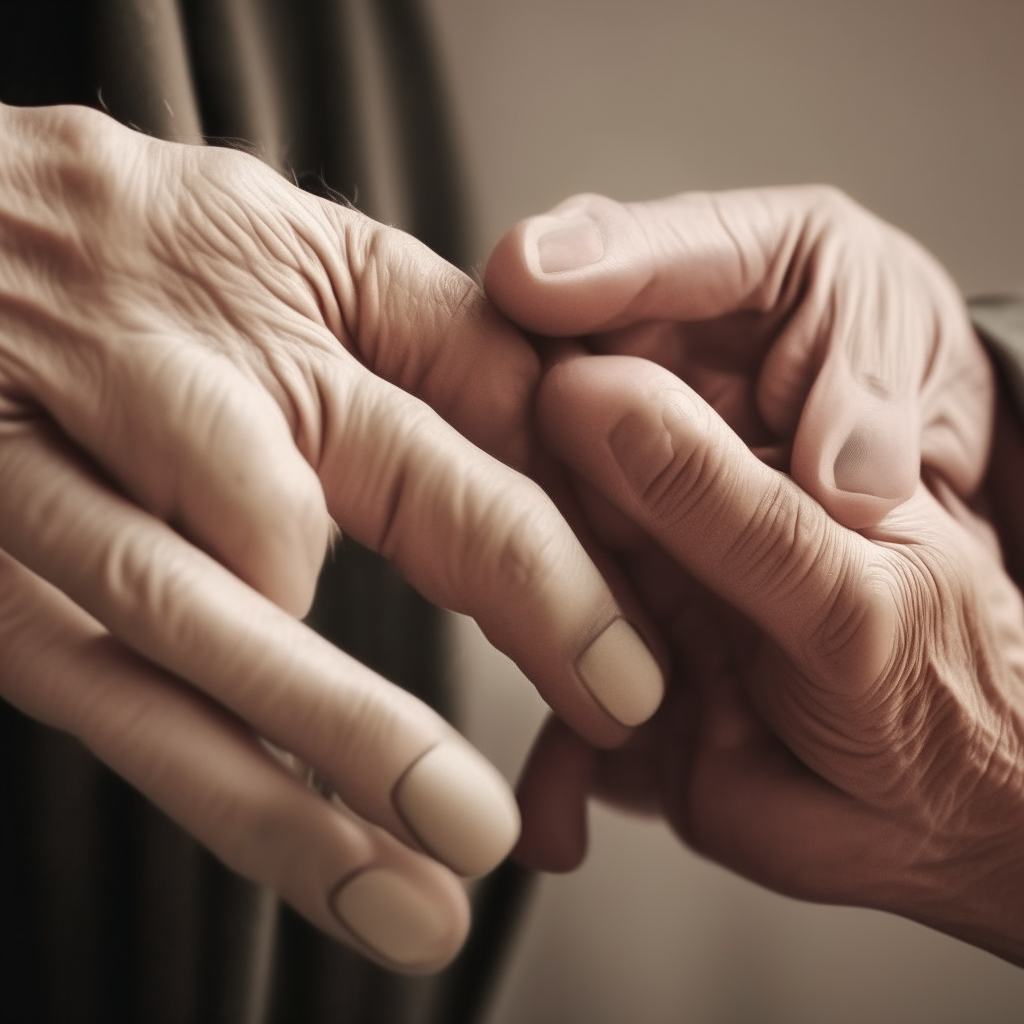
<point>857,448</point>
<point>838,285</point>
<point>651,445</point>
<point>593,264</point>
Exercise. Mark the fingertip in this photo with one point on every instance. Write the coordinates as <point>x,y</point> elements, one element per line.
<point>571,270</point>
<point>857,447</point>
<point>622,674</point>
<point>552,793</point>
<point>413,924</point>
<point>459,807</point>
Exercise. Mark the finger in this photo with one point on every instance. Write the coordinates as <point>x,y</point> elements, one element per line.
<point>476,537</point>
<point>426,327</point>
<point>858,446</point>
<point>552,792</point>
<point>205,770</point>
<point>390,758</point>
<point>194,441</point>
<point>653,447</point>
<point>899,369</point>
<point>467,532</point>
<point>593,265</point>
<point>866,329</point>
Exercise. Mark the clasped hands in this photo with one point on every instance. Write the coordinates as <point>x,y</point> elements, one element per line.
<point>201,367</point>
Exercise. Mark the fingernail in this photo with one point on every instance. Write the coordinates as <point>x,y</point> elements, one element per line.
<point>459,807</point>
<point>621,673</point>
<point>392,916</point>
<point>571,245</point>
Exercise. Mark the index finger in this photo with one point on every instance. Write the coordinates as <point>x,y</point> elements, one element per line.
<point>475,536</point>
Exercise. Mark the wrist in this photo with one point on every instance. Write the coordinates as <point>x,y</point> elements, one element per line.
<point>967,875</point>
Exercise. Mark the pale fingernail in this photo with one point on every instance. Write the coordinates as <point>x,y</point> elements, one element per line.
<point>459,807</point>
<point>392,916</point>
<point>621,673</point>
<point>571,245</point>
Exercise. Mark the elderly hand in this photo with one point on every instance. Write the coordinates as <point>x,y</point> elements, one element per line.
<point>846,719</point>
<point>200,367</point>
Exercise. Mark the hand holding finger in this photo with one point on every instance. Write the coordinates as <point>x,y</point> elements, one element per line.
<point>644,439</point>
<point>862,371</point>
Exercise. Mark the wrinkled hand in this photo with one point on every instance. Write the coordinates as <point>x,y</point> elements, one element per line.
<point>846,719</point>
<point>200,367</point>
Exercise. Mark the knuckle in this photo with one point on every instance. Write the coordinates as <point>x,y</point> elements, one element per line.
<point>684,478</point>
<point>513,544</point>
<point>528,551</point>
<point>856,636</point>
<point>145,583</point>
<point>830,200</point>
<point>258,834</point>
<point>232,170</point>
<point>454,295</point>
<point>88,150</point>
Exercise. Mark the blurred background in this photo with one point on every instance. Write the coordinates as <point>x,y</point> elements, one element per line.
<point>914,107</point>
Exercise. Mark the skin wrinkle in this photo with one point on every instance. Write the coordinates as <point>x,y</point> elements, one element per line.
<point>356,255</point>
<point>838,631</point>
<point>240,248</point>
<point>919,725</point>
<point>43,255</point>
<point>524,561</point>
<point>779,293</point>
<point>237,247</point>
<point>515,553</point>
<point>390,526</point>
<point>801,347</point>
<point>237,287</point>
<point>410,366</point>
<point>760,544</point>
<point>322,231</point>
<point>46,337</point>
<point>247,325</point>
<point>683,483</point>
<point>303,392</point>
<point>385,484</point>
<point>744,273</point>
<point>362,313</point>
<point>930,745</point>
<point>125,567</point>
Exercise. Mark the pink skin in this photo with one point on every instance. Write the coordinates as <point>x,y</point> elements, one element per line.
<point>202,367</point>
<point>845,718</point>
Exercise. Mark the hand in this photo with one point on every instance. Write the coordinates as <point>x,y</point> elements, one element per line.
<point>834,345</point>
<point>200,367</point>
<point>846,717</point>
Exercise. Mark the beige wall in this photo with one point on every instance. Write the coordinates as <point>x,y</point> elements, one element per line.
<point>917,109</point>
